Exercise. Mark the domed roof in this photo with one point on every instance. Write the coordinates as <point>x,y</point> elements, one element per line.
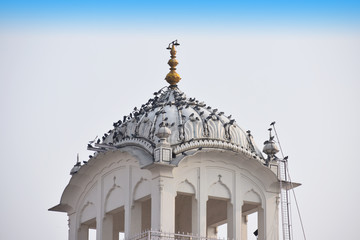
<point>187,123</point>
<point>192,125</point>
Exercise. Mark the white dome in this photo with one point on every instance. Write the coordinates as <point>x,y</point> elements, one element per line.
<point>193,125</point>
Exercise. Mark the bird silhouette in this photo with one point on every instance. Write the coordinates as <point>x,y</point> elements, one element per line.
<point>91,142</point>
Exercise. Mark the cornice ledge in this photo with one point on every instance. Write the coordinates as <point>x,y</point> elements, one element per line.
<point>213,143</point>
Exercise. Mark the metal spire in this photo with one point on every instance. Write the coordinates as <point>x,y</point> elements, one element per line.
<point>173,77</point>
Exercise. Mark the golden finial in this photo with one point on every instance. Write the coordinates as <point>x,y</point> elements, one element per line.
<point>173,77</point>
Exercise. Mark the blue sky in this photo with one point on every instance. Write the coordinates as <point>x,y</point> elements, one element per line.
<point>305,75</point>
<point>184,13</point>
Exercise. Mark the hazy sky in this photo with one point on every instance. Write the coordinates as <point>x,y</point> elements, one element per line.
<point>69,70</point>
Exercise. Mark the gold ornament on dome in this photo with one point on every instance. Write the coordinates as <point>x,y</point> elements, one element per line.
<point>173,77</point>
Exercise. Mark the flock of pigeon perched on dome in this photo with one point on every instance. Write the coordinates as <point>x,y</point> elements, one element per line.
<point>187,118</point>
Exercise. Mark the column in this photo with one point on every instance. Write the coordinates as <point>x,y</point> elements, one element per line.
<point>230,221</point>
<point>99,211</point>
<point>127,215</point>
<point>72,226</point>
<point>202,203</point>
<point>261,224</point>
<point>135,219</point>
<point>162,198</point>
<point>234,214</point>
<point>272,218</point>
<point>194,217</point>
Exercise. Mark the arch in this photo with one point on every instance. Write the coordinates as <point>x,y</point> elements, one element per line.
<point>254,186</point>
<point>252,196</point>
<point>186,187</point>
<point>142,189</point>
<point>114,198</point>
<point>219,190</point>
<point>87,212</point>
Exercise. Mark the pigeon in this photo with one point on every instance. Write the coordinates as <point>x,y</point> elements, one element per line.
<point>91,142</point>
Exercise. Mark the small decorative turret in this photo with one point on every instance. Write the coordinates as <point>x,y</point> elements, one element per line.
<point>163,151</point>
<point>173,77</point>
<point>270,148</point>
<point>163,133</point>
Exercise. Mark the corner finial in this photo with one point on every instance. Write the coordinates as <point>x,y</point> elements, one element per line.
<point>173,77</point>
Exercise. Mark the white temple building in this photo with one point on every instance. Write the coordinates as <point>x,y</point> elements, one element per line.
<point>174,168</point>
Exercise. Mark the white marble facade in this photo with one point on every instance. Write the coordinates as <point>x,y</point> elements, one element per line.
<point>125,191</point>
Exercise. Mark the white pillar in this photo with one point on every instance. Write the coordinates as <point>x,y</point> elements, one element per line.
<point>272,218</point>
<point>135,219</point>
<point>127,221</point>
<point>72,226</point>
<point>235,216</point>
<point>261,224</point>
<point>194,217</point>
<point>162,198</point>
<point>202,204</point>
<point>99,211</point>
<point>128,202</point>
<point>230,221</point>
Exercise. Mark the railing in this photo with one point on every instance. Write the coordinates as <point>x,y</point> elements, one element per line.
<point>157,235</point>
